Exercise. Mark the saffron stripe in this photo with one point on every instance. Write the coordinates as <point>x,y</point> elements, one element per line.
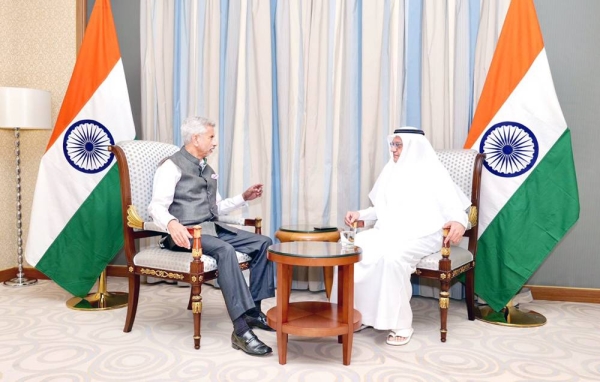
<point>520,25</point>
<point>92,64</point>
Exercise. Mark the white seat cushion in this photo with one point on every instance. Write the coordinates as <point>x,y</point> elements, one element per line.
<point>156,257</point>
<point>458,255</point>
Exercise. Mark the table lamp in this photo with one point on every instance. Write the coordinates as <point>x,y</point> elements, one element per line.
<point>22,108</point>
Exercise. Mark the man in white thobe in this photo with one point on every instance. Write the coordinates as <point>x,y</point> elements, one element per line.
<point>413,199</point>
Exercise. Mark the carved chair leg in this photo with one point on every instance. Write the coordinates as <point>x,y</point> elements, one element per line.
<point>190,300</point>
<point>470,293</point>
<point>444,303</point>
<point>132,301</point>
<point>196,304</point>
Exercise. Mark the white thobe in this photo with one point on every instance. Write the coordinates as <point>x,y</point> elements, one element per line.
<point>412,199</point>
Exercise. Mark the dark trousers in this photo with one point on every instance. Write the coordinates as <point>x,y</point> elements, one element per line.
<point>238,297</point>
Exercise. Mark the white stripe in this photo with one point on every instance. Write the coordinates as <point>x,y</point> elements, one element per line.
<point>61,189</point>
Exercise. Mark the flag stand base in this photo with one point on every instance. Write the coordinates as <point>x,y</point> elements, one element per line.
<point>102,300</point>
<point>20,281</point>
<point>510,316</point>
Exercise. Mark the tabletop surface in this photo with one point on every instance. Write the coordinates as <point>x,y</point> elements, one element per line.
<point>314,249</point>
<point>307,228</point>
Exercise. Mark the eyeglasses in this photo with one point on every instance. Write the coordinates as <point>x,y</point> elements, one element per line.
<point>397,145</point>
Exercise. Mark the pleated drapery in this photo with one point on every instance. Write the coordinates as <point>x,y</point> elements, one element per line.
<point>305,92</point>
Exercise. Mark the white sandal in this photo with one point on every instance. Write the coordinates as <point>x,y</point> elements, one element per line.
<point>393,338</point>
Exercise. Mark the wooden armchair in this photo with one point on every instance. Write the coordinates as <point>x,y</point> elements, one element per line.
<point>137,162</point>
<point>465,168</point>
<point>450,262</point>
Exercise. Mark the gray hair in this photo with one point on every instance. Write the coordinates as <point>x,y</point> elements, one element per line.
<point>194,125</point>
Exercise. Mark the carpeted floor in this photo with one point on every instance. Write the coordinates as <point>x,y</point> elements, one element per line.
<point>42,340</point>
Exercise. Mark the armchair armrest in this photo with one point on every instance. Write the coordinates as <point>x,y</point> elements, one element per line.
<point>151,226</point>
<point>471,220</point>
<point>256,222</point>
<point>140,227</point>
<point>135,221</point>
<point>231,220</point>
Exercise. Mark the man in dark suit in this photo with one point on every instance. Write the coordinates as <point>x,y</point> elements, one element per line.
<point>184,194</point>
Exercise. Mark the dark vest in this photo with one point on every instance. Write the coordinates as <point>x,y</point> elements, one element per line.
<point>195,198</point>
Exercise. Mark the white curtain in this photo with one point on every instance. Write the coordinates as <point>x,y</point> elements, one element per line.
<point>304,92</point>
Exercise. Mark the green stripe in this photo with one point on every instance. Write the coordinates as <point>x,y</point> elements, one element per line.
<point>89,241</point>
<point>529,226</point>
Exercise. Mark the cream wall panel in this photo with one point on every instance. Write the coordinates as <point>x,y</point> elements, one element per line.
<point>38,45</point>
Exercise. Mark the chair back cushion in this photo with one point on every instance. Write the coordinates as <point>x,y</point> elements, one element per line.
<point>143,157</point>
<point>460,164</point>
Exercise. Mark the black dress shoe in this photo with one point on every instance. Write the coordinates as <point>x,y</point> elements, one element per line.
<point>258,322</point>
<point>249,343</point>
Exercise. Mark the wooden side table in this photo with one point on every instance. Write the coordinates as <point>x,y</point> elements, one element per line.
<point>314,318</point>
<point>306,232</point>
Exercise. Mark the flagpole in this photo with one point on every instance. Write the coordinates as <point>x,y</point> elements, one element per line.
<point>101,300</point>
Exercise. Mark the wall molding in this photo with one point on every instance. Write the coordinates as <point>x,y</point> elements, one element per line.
<point>567,294</point>
<point>539,292</point>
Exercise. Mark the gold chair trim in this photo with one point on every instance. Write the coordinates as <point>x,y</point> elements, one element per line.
<point>133,218</point>
<point>162,274</point>
<point>473,216</point>
<point>460,270</point>
<point>196,307</point>
<point>197,253</point>
<point>444,300</point>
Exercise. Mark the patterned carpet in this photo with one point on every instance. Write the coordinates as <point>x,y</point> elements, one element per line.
<point>42,340</point>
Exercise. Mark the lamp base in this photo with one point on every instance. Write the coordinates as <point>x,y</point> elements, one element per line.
<point>20,281</point>
<point>510,316</point>
<point>99,301</point>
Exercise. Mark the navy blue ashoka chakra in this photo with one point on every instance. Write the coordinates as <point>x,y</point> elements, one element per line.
<point>511,149</point>
<point>86,146</point>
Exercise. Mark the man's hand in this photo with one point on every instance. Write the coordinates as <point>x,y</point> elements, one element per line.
<point>253,192</point>
<point>179,234</point>
<point>455,232</point>
<point>351,217</point>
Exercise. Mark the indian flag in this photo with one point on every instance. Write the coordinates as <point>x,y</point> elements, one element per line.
<point>76,228</point>
<point>529,197</point>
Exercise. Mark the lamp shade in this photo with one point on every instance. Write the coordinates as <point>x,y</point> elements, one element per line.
<point>24,108</point>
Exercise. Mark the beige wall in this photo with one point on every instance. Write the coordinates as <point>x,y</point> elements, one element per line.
<point>37,50</point>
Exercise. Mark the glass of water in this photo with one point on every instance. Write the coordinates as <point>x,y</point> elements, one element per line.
<point>347,238</point>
